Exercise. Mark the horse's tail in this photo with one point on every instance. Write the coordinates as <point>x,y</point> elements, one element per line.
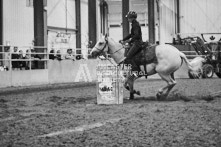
<point>193,71</point>
<point>183,56</point>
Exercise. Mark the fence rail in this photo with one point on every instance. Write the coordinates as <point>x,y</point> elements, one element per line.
<point>6,53</point>
<point>29,54</point>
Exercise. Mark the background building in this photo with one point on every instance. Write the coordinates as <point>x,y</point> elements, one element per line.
<point>61,16</point>
<point>78,24</point>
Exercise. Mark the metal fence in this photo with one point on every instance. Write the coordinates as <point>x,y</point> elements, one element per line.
<point>34,57</point>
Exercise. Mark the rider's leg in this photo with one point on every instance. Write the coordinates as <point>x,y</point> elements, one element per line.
<point>129,57</point>
<point>133,50</point>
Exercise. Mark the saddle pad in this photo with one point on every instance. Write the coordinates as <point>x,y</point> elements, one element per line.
<point>146,56</point>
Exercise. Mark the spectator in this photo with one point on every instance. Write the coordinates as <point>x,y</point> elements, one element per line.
<point>1,66</point>
<point>28,54</point>
<point>58,55</point>
<point>69,54</point>
<point>21,63</point>
<point>51,55</point>
<point>36,58</point>
<point>34,55</point>
<point>28,57</point>
<point>15,55</point>
<point>7,57</point>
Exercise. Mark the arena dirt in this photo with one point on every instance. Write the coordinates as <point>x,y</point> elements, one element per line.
<point>67,115</point>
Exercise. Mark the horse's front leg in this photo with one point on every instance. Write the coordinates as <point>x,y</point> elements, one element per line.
<point>128,88</point>
<point>131,87</point>
<point>130,81</point>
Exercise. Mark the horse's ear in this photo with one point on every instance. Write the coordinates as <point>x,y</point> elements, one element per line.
<point>105,36</point>
<point>101,35</point>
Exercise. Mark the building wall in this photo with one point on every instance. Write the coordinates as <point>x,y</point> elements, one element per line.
<point>18,23</point>
<point>57,13</point>
<point>115,18</point>
<point>167,20</point>
<point>196,16</point>
<point>84,23</point>
<point>61,17</point>
<point>200,16</point>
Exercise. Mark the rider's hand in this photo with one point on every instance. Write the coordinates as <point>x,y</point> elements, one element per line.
<point>121,41</point>
<point>128,41</point>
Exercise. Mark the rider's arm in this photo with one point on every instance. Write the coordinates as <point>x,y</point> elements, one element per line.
<point>127,37</point>
<point>137,34</point>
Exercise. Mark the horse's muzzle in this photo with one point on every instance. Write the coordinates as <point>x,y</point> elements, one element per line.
<point>94,54</point>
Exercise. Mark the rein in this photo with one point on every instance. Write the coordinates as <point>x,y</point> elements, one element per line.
<point>101,50</point>
<point>117,51</point>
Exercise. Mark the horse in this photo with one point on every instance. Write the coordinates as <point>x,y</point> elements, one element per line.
<point>168,60</point>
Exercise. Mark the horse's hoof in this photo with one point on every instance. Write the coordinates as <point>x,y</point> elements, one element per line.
<point>138,92</point>
<point>159,96</point>
<point>131,96</point>
<point>127,87</point>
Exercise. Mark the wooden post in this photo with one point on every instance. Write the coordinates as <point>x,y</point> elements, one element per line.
<point>39,28</point>
<point>1,27</point>
<point>178,21</point>
<point>125,23</point>
<point>151,21</point>
<point>92,22</point>
<point>104,16</point>
<point>78,25</point>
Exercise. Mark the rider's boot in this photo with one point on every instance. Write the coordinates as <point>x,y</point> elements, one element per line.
<point>134,68</point>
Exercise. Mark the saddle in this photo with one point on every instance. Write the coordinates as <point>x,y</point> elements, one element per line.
<point>146,55</point>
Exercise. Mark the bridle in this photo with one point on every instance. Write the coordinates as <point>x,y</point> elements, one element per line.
<point>101,50</point>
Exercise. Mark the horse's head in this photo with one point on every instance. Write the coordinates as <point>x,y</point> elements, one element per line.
<point>101,47</point>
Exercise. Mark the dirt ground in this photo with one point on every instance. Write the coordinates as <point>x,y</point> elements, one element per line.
<point>67,115</point>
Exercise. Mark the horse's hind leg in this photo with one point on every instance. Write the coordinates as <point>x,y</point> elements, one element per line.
<point>170,84</point>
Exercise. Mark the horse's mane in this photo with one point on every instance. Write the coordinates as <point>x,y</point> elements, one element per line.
<point>116,43</point>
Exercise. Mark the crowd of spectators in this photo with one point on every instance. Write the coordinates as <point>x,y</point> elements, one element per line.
<point>68,56</point>
<point>19,59</point>
<point>29,59</point>
<point>53,55</point>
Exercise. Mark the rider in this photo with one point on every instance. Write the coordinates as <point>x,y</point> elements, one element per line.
<point>134,38</point>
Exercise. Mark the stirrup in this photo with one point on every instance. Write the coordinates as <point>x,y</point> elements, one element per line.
<point>135,75</point>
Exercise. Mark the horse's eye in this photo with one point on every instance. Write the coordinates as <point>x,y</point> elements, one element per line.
<point>100,43</point>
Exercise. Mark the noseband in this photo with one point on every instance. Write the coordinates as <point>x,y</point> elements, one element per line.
<point>101,50</point>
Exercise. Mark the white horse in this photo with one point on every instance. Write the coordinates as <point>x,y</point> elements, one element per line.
<point>169,59</point>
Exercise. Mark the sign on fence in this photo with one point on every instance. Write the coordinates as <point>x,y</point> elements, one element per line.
<point>109,85</point>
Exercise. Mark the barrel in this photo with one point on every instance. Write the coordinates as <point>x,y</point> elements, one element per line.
<point>109,84</point>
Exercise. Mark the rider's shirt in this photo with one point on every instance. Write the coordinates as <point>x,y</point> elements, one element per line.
<point>136,34</point>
